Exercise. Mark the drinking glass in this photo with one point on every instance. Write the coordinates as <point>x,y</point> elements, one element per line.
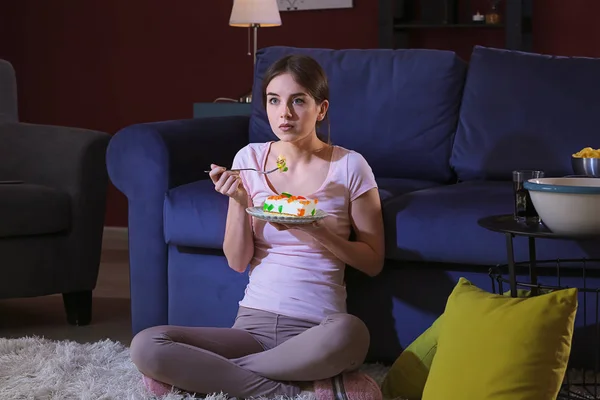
<point>524,209</point>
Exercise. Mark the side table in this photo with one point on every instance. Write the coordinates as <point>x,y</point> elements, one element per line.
<point>586,387</point>
<point>510,228</point>
<point>223,109</point>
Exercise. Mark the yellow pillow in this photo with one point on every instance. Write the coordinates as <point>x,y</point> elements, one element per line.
<point>493,347</point>
<point>407,376</point>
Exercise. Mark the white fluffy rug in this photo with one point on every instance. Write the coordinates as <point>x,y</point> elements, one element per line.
<point>42,369</point>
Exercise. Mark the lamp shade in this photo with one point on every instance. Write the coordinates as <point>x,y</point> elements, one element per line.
<point>246,13</point>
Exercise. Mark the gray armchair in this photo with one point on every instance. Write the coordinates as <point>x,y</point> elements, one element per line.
<point>53,184</point>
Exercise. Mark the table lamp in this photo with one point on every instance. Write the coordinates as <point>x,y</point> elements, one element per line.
<point>254,14</point>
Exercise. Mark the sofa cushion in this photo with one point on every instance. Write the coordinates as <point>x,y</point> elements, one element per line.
<point>440,225</point>
<point>195,214</point>
<point>389,188</point>
<point>530,347</point>
<point>27,209</point>
<point>398,108</point>
<point>525,111</point>
<point>407,377</point>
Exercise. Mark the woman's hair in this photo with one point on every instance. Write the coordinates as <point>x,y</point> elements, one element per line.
<point>309,74</point>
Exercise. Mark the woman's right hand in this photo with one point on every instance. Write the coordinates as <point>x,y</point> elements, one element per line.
<point>228,183</point>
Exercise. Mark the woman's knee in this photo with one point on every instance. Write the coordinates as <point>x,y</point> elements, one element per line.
<point>145,349</point>
<point>349,335</point>
<point>351,326</point>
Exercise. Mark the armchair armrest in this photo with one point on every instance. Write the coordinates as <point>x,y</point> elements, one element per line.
<point>56,156</point>
<point>144,162</point>
<point>72,160</point>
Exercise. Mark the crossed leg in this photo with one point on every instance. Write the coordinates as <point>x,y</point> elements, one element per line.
<point>339,344</point>
<point>197,360</point>
<point>207,360</point>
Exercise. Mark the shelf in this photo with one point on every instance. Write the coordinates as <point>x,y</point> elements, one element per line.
<point>397,22</point>
<point>446,26</point>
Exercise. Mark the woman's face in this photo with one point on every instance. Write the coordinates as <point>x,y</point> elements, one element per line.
<point>292,112</point>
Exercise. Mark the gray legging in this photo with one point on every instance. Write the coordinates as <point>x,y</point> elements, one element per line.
<point>263,354</point>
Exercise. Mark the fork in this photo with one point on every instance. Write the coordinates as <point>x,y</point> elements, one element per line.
<point>252,169</point>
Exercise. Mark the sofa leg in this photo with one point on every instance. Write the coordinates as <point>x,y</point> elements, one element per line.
<point>78,306</point>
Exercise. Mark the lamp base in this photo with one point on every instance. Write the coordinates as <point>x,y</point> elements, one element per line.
<point>247,97</point>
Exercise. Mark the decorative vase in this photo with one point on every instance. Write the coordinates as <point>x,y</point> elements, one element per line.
<point>492,17</point>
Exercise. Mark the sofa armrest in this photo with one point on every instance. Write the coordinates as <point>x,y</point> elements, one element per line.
<point>72,160</point>
<point>56,156</point>
<point>144,162</point>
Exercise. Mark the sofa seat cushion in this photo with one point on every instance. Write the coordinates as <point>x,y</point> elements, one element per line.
<point>195,214</point>
<point>440,225</point>
<point>28,209</point>
<point>390,188</point>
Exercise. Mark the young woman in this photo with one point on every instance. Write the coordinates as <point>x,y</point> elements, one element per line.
<point>292,329</point>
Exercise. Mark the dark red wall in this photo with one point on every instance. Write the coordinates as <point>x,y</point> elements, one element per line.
<point>106,64</point>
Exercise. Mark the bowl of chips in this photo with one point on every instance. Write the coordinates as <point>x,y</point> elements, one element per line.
<point>586,162</point>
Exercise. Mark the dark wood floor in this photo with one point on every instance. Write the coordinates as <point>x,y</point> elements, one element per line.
<point>44,316</point>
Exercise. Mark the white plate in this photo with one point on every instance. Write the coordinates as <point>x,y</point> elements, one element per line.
<point>257,212</point>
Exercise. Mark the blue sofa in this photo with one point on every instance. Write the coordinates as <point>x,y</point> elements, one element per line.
<point>442,138</point>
